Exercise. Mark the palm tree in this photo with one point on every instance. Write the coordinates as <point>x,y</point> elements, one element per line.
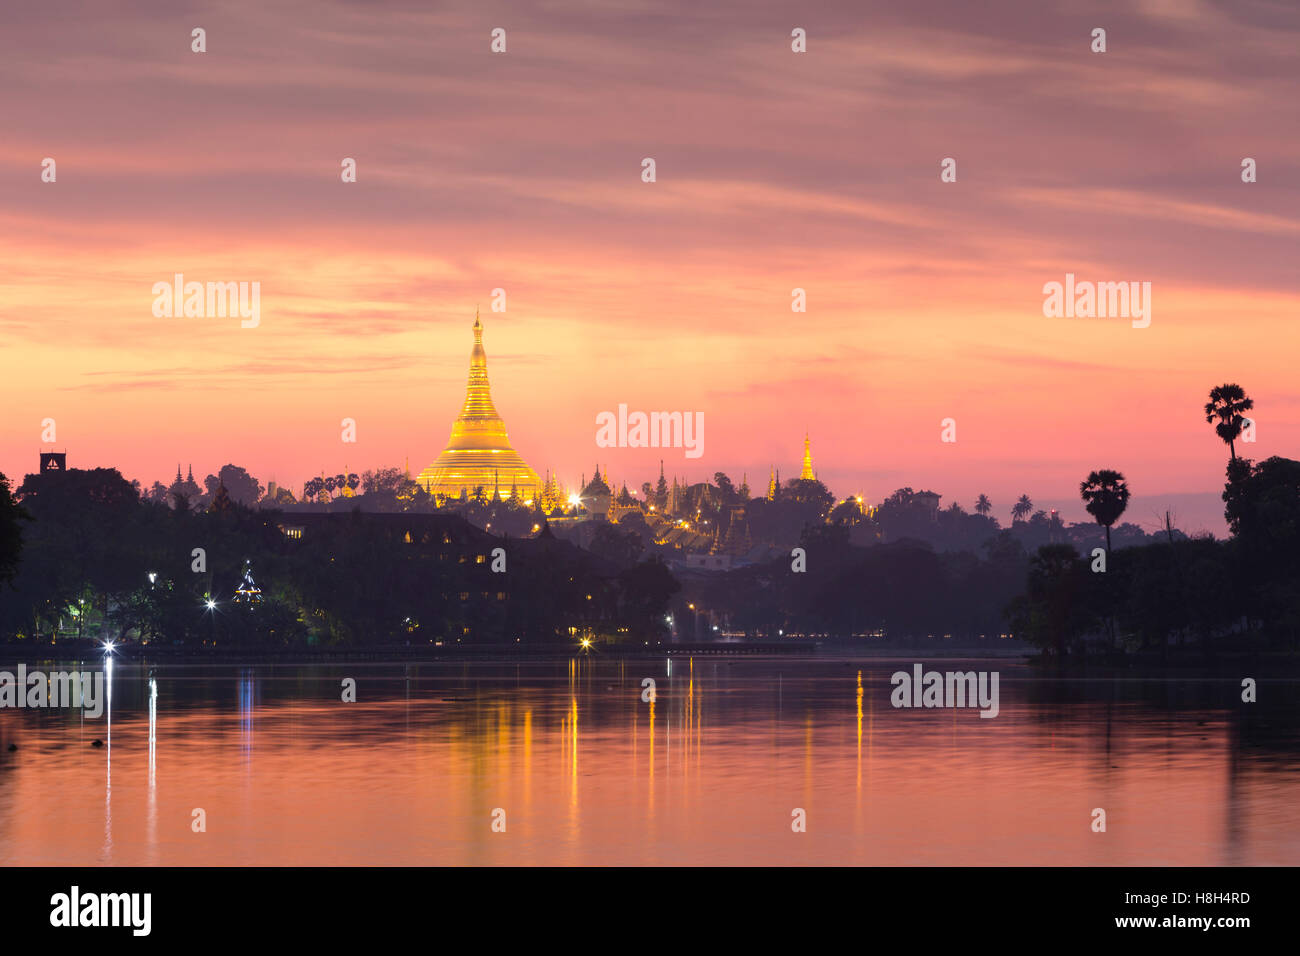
<point>1226,403</point>
<point>982,505</point>
<point>1022,507</point>
<point>1105,496</point>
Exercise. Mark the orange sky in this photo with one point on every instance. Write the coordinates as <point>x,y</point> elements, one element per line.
<point>775,170</point>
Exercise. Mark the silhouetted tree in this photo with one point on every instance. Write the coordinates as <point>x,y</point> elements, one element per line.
<point>240,485</point>
<point>725,487</point>
<point>1226,404</point>
<point>1263,514</point>
<point>1105,495</point>
<point>1056,608</point>
<point>617,546</point>
<point>11,536</point>
<point>982,505</point>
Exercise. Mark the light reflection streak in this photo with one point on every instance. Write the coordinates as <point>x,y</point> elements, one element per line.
<point>153,766</point>
<point>574,725</point>
<point>246,693</point>
<point>108,759</point>
<point>528,757</point>
<point>808,757</point>
<point>859,733</point>
<point>650,789</point>
<point>690,722</point>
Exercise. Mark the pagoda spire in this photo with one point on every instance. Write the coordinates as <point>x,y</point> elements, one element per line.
<point>479,447</point>
<point>807,474</point>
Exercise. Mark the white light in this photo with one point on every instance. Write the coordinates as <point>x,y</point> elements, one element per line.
<point>211,604</point>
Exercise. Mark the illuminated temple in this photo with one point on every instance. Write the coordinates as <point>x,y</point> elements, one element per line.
<point>478,455</point>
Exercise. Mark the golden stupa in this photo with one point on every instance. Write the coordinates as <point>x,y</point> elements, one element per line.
<point>807,474</point>
<point>478,454</point>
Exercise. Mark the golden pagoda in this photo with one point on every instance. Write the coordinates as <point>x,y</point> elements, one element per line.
<point>478,454</point>
<point>807,473</point>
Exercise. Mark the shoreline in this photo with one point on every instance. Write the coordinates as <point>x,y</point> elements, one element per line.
<point>1228,664</point>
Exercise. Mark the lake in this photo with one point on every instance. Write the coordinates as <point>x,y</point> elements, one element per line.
<point>577,768</point>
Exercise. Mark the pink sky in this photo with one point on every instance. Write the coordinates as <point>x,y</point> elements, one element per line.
<point>775,170</point>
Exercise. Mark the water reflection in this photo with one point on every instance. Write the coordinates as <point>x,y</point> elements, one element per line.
<point>153,771</point>
<point>706,771</point>
<point>246,693</point>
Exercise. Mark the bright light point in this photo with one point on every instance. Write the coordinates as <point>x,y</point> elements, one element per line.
<point>575,500</point>
<point>211,605</point>
<point>586,643</point>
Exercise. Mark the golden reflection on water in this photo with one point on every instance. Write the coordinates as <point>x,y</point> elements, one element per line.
<point>859,732</point>
<point>410,773</point>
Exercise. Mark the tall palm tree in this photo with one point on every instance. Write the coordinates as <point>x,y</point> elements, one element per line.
<point>1226,403</point>
<point>1022,508</point>
<point>1105,496</point>
<point>982,505</point>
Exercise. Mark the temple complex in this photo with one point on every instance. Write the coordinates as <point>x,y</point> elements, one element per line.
<point>478,453</point>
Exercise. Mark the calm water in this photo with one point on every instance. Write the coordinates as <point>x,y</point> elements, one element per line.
<point>587,773</point>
